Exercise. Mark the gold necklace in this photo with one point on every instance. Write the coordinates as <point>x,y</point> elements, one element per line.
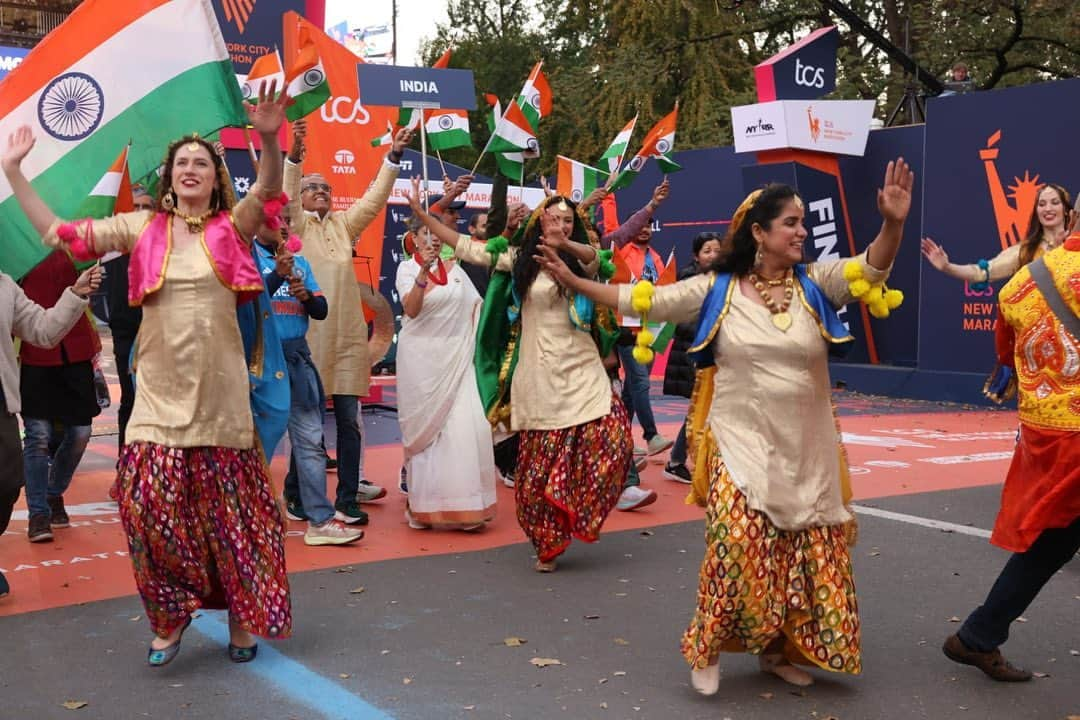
<point>781,318</point>
<point>195,223</point>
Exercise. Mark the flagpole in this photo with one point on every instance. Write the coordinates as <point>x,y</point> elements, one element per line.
<point>442,165</point>
<point>251,149</point>
<point>423,154</point>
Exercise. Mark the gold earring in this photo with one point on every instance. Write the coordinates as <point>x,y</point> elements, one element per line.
<point>168,201</point>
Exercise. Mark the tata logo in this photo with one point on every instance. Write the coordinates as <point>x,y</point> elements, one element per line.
<point>344,157</point>
<point>238,11</point>
<point>419,86</point>
<point>345,110</point>
<point>808,75</point>
<point>760,128</point>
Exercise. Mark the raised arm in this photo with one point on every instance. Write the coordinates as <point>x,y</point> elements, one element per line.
<point>497,213</point>
<point>19,145</point>
<point>363,211</point>
<point>894,202</point>
<point>1003,265</point>
<point>443,233</point>
<point>266,118</point>
<point>637,222</point>
<point>292,174</point>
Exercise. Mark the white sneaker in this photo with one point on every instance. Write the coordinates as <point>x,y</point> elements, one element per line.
<point>706,680</point>
<point>508,479</point>
<point>367,492</point>
<point>634,497</point>
<point>331,532</point>
<point>640,461</point>
<point>658,444</point>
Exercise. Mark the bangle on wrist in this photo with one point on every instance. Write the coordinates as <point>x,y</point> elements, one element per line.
<point>395,157</point>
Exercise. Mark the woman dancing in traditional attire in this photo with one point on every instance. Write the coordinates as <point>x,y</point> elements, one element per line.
<point>195,497</point>
<point>776,580</point>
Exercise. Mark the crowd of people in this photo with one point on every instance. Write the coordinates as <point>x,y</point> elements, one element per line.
<point>236,321</point>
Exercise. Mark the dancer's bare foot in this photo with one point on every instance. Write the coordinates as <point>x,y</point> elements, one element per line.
<point>779,666</point>
<point>545,567</point>
<point>706,680</point>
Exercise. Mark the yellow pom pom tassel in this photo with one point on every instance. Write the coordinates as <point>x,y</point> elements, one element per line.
<point>645,338</point>
<point>879,309</point>
<point>641,296</point>
<point>643,355</point>
<point>893,298</point>
<point>859,288</point>
<point>852,271</point>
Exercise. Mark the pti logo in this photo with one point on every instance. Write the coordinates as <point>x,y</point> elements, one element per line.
<point>815,123</point>
<point>238,11</point>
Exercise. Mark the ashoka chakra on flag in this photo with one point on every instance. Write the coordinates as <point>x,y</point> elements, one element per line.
<point>71,106</point>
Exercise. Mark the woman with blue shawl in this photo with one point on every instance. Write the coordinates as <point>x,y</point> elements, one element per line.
<point>776,580</point>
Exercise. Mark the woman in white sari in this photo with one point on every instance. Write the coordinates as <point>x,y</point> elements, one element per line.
<point>446,437</point>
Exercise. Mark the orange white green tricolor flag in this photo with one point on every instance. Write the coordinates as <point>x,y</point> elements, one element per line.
<point>77,92</point>
<point>306,79</point>
<point>658,143</point>
<point>447,129</point>
<point>410,118</point>
<point>513,132</point>
<point>535,100</point>
<point>576,180</point>
<point>112,194</point>
<point>615,152</point>
<point>386,138</point>
<point>510,164</point>
<point>267,69</point>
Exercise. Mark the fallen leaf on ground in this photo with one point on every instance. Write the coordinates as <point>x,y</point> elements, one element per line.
<point>1074,652</point>
<point>74,704</point>
<point>592,617</point>
<point>544,662</point>
<point>875,553</point>
<point>620,641</point>
<point>357,591</point>
<point>514,641</point>
<point>603,706</point>
<point>766,696</point>
<point>344,676</point>
<point>406,681</point>
<point>469,707</point>
<point>954,619</point>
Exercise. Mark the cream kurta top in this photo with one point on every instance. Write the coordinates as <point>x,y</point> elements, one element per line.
<point>191,383</point>
<point>771,413</point>
<point>339,344</point>
<point>560,379</point>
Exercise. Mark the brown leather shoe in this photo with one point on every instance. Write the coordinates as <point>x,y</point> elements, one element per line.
<point>991,663</point>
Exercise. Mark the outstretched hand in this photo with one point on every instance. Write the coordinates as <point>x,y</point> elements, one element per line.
<point>19,145</point>
<point>935,254</point>
<point>548,257</point>
<point>268,115</point>
<point>894,197</point>
<point>413,198</point>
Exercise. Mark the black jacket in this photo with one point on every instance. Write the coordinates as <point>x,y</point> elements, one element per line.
<point>679,375</point>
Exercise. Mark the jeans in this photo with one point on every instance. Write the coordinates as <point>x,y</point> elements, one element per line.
<point>678,450</point>
<point>349,451</point>
<point>635,392</point>
<point>122,354</point>
<point>50,456</point>
<point>308,463</point>
<point>1017,586</point>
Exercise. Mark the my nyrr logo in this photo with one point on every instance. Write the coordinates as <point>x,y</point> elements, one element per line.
<point>760,128</point>
<point>808,75</point>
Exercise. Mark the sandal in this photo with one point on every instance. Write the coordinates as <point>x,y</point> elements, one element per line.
<point>545,567</point>
<point>156,657</point>
<point>243,654</point>
<point>779,666</point>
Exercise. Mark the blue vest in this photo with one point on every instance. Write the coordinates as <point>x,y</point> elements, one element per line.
<point>718,301</point>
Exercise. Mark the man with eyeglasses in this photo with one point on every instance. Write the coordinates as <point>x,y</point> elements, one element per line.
<point>339,344</point>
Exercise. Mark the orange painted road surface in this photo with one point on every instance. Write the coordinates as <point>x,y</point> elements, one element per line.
<point>890,454</point>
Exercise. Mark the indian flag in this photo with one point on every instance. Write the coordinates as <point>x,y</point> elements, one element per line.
<point>267,69</point>
<point>386,138</point>
<point>448,129</point>
<point>306,79</point>
<point>510,164</point>
<point>659,144</point>
<point>513,132</point>
<point>576,180</point>
<point>615,152</point>
<point>410,118</point>
<point>77,91</point>
<point>112,194</point>
<point>535,97</point>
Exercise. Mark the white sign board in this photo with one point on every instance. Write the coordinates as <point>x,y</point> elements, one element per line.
<point>830,126</point>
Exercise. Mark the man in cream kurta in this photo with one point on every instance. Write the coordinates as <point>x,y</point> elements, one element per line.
<point>339,343</point>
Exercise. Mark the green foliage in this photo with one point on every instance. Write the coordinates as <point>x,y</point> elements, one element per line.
<point>609,59</point>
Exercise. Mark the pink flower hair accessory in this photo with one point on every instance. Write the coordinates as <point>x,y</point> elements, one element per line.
<point>81,246</point>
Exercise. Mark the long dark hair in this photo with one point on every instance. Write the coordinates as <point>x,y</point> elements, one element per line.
<point>526,268</point>
<point>221,198</point>
<point>1030,244</point>
<point>760,210</point>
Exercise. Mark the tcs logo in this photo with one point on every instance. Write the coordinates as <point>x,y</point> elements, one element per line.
<point>808,75</point>
<point>344,110</point>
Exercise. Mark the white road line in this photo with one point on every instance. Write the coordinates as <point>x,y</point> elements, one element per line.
<point>924,522</point>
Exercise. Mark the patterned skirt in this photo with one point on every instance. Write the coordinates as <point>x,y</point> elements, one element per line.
<point>204,531</point>
<point>758,583</point>
<point>570,479</point>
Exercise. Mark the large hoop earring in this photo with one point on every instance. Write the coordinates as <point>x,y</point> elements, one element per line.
<point>168,201</point>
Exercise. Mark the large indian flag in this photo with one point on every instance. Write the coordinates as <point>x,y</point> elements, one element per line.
<point>77,91</point>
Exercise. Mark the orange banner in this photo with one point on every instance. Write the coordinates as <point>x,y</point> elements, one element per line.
<point>339,134</point>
